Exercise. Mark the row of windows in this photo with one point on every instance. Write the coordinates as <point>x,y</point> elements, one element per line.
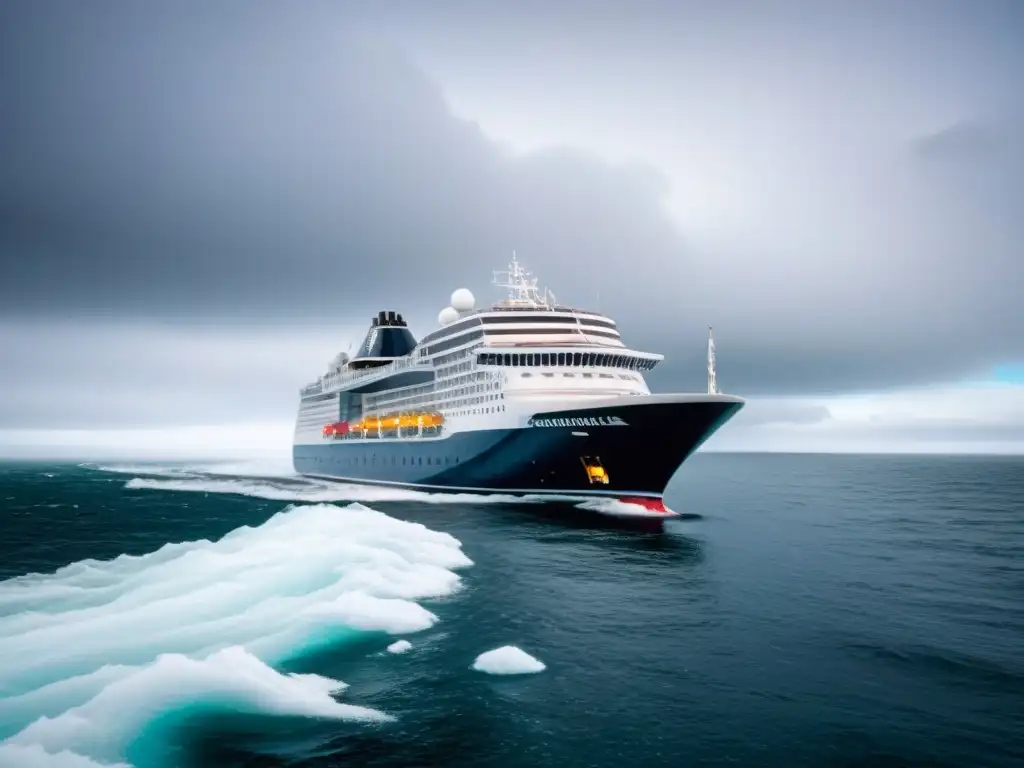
<point>450,398</point>
<point>488,409</point>
<point>626,376</point>
<point>446,342</point>
<point>520,316</point>
<point>437,394</point>
<point>409,461</point>
<point>318,398</point>
<point>471,336</point>
<point>447,371</point>
<point>549,331</point>
<point>317,420</point>
<point>311,412</point>
<point>460,325</point>
<point>462,338</point>
<point>320,407</point>
<point>451,357</point>
<point>416,393</point>
<point>317,415</point>
<point>547,318</point>
<point>575,359</point>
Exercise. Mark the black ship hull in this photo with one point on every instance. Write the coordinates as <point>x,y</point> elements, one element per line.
<point>628,448</point>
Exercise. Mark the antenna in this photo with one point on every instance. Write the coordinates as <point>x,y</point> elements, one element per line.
<point>712,379</point>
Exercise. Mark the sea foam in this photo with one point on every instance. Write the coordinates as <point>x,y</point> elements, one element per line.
<point>279,468</point>
<point>101,656</point>
<point>623,509</point>
<point>309,490</point>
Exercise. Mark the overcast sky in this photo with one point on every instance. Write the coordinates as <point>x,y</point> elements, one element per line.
<point>200,203</point>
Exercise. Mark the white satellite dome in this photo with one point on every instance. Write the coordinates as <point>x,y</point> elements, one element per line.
<point>448,315</point>
<point>463,300</point>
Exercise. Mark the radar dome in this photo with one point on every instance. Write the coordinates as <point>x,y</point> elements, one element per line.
<point>448,315</point>
<point>463,300</point>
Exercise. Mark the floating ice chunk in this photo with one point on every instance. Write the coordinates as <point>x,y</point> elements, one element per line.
<point>100,657</point>
<point>34,756</point>
<point>399,646</point>
<point>507,660</point>
<point>334,572</point>
<point>135,715</point>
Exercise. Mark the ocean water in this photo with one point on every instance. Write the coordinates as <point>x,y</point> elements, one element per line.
<point>806,610</point>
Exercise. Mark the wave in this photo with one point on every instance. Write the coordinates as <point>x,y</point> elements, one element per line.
<point>315,491</point>
<point>274,482</point>
<point>308,490</point>
<point>101,657</point>
<point>249,468</point>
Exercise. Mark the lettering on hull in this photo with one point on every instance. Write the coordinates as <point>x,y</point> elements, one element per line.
<point>580,421</point>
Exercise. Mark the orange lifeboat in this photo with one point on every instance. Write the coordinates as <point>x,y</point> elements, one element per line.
<point>394,421</point>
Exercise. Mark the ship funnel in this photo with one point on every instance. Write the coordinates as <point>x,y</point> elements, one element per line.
<point>387,338</point>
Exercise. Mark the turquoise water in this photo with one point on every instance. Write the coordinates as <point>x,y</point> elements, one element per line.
<point>808,610</point>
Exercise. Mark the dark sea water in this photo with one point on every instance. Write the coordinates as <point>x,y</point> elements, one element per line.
<point>809,610</point>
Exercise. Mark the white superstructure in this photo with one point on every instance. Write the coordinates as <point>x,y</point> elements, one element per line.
<point>484,368</point>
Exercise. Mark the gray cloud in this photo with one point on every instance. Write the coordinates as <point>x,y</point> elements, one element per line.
<point>236,166</point>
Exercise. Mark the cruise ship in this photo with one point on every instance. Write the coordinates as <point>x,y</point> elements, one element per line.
<point>524,397</point>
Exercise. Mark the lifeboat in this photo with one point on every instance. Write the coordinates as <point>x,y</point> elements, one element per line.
<point>337,428</point>
<point>390,422</point>
<point>431,419</point>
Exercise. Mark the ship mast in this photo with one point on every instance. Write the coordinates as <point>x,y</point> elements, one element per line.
<point>712,379</point>
<point>522,286</point>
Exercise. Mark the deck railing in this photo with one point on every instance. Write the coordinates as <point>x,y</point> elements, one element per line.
<point>332,380</point>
